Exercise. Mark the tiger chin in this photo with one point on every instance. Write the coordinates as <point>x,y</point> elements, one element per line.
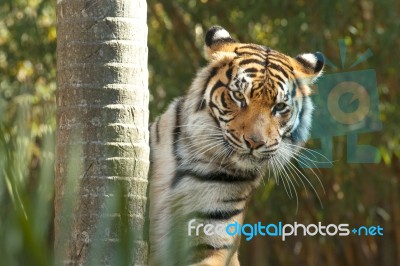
<point>247,108</point>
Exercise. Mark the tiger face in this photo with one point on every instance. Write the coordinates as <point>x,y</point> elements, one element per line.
<point>258,97</point>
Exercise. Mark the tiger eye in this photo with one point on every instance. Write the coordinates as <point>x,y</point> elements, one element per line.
<point>238,95</point>
<point>280,106</point>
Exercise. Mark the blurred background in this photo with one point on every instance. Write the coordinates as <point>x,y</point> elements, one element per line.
<point>357,194</point>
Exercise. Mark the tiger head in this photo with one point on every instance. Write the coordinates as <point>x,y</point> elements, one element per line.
<point>258,98</point>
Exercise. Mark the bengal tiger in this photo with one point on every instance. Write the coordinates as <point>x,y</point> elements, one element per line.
<point>249,107</point>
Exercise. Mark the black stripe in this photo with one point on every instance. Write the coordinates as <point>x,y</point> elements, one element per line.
<point>234,139</point>
<point>274,58</point>
<point>216,86</point>
<point>201,104</point>
<point>219,214</point>
<point>276,78</point>
<point>223,102</point>
<point>304,62</point>
<point>260,56</point>
<point>252,61</point>
<point>177,129</point>
<point>250,51</point>
<point>255,88</point>
<point>254,47</point>
<point>315,68</point>
<point>158,130</point>
<point>272,145</point>
<point>235,199</point>
<point>213,105</point>
<point>229,73</point>
<point>252,70</point>
<point>212,177</point>
<point>278,67</point>
<point>225,120</point>
<point>213,116</point>
<point>269,151</point>
<point>280,85</point>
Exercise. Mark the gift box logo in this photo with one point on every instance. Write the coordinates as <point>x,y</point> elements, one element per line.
<point>347,103</point>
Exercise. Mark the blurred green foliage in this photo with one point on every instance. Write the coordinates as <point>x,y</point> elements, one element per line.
<point>27,124</point>
<point>356,194</point>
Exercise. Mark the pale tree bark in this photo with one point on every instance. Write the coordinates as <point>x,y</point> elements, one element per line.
<point>102,136</point>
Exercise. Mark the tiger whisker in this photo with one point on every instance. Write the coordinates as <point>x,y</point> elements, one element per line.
<point>279,170</point>
<point>293,167</point>
<point>312,152</point>
<point>300,160</point>
<point>306,179</point>
<point>287,179</point>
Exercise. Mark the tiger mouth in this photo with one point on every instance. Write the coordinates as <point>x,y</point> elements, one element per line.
<point>252,157</point>
<point>248,154</point>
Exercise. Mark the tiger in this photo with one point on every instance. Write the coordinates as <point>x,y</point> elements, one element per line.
<point>248,107</point>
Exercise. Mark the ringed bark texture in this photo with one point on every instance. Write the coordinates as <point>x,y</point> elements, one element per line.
<point>102,129</point>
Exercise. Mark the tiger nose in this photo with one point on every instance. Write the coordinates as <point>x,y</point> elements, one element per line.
<point>253,141</point>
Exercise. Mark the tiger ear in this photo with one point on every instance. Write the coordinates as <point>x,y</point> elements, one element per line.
<point>308,67</point>
<point>218,43</point>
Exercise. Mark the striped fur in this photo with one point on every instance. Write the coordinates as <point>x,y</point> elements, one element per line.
<point>211,147</point>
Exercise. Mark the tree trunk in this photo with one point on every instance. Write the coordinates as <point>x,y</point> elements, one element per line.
<point>102,132</point>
